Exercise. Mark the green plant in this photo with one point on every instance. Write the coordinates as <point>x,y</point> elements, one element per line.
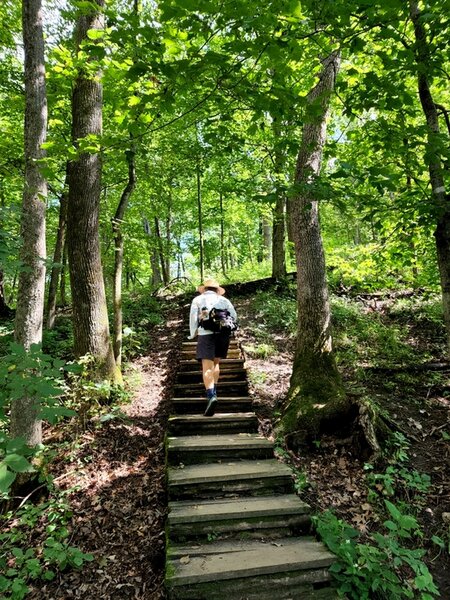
<point>27,374</point>
<point>26,556</point>
<point>260,350</point>
<point>381,568</point>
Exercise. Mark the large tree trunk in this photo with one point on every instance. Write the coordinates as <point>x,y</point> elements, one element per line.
<point>118,255</point>
<point>315,399</point>
<point>433,159</point>
<point>90,315</point>
<point>25,420</point>
<point>57,260</point>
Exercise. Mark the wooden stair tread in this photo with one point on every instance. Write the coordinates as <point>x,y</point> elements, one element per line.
<point>222,561</point>
<point>218,417</point>
<point>187,511</point>
<point>206,442</point>
<point>217,472</point>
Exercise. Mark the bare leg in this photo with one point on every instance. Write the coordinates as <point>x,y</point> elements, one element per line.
<point>208,372</point>
<point>216,370</point>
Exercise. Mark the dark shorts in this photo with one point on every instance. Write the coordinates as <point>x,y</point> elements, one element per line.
<point>213,346</point>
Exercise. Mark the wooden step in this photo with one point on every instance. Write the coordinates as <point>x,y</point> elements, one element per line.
<point>247,477</point>
<point>219,423</point>
<point>225,375</point>
<point>192,449</point>
<point>279,515</point>
<point>225,388</point>
<point>193,344</point>
<point>226,364</point>
<point>251,570</point>
<point>190,353</point>
<point>197,405</point>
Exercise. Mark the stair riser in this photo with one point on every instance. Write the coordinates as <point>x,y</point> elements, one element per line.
<point>217,489</point>
<point>198,406</point>
<point>191,354</point>
<point>271,527</point>
<point>224,366</point>
<point>211,428</point>
<point>225,389</point>
<point>300,585</point>
<point>192,378</point>
<point>221,454</point>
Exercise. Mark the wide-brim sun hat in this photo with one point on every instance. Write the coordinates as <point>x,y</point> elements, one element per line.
<point>211,283</point>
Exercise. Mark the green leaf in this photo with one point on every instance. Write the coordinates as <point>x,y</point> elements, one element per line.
<point>6,478</point>
<point>18,463</point>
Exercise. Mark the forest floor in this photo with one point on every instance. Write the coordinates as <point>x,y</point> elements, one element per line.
<point>115,474</point>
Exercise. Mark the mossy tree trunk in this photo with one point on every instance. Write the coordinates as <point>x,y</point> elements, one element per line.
<point>316,399</point>
<point>90,314</point>
<point>25,421</point>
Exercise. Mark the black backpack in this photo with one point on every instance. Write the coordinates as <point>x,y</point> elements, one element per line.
<point>219,320</point>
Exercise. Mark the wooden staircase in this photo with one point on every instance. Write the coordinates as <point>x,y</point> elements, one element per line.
<point>236,530</point>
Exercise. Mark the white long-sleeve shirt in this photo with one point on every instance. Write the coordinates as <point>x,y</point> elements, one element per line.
<point>209,299</point>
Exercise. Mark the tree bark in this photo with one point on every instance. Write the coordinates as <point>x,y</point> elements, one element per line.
<point>279,211</point>
<point>162,259</point>
<point>222,236</point>
<point>118,254</point>
<point>25,420</point>
<point>90,315</point>
<point>315,399</point>
<point>57,259</point>
<point>200,222</point>
<point>441,199</point>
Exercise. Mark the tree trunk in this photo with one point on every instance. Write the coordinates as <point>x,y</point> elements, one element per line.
<point>62,281</point>
<point>5,311</point>
<point>118,254</point>
<point>315,398</point>
<point>267,239</point>
<point>168,235</point>
<point>90,315</point>
<point>441,199</point>
<point>25,420</point>
<point>156,278</point>
<point>279,219</point>
<point>200,222</point>
<point>222,236</point>
<point>162,260</point>
<point>57,260</point>
<point>278,238</point>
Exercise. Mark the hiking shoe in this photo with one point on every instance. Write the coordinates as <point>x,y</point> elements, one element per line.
<point>211,406</point>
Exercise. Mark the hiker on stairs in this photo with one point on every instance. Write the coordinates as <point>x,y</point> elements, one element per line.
<point>211,345</point>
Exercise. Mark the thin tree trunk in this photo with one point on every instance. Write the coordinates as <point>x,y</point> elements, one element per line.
<point>162,260</point>
<point>156,278</point>
<point>279,219</point>
<point>200,221</point>
<point>168,234</point>
<point>62,281</point>
<point>118,254</point>
<point>267,239</point>
<point>315,396</point>
<point>57,259</point>
<point>434,162</point>
<point>25,420</point>
<point>5,311</point>
<point>222,236</point>
<point>90,314</point>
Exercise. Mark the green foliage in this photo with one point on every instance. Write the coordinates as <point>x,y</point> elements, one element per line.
<point>398,480</point>
<point>383,567</point>
<point>25,557</point>
<point>363,337</point>
<point>33,375</point>
<point>272,312</point>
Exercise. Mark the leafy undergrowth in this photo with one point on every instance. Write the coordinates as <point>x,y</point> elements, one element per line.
<point>99,530</point>
<point>390,351</point>
<point>109,500</point>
